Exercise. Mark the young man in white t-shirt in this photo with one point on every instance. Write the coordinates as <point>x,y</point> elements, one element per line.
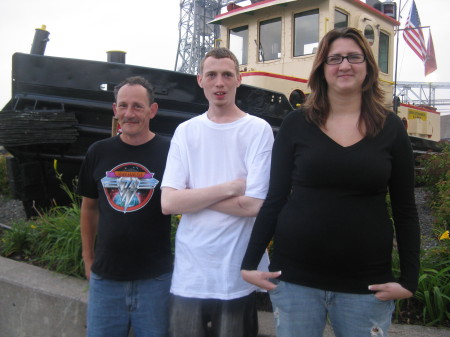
<point>216,176</point>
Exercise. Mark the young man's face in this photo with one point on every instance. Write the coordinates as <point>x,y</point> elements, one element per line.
<point>219,81</point>
<point>134,111</point>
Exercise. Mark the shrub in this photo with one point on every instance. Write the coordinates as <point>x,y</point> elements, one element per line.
<point>434,284</point>
<point>434,168</point>
<point>19,240</point>
<point>51,240</point>
<point>59,245</point>
<point>436,178</point>
<point>441,202</point>
<point>431,302</point>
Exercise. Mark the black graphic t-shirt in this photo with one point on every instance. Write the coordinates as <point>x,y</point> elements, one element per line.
<point>133,236</point>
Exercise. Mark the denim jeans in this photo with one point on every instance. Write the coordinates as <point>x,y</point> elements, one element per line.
<point>302,311</point>
<point>115,306</point>
<point>198,317</point>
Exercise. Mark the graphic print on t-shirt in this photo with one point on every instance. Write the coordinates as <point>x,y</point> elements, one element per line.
<point>129,187</point>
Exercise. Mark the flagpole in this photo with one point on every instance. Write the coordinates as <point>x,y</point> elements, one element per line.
<point>395,98</point>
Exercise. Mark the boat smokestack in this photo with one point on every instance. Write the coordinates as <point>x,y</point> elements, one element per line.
<point>116,56</point>
<point>40,41</point>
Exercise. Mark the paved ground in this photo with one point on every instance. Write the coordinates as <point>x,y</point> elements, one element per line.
<point>267,329</point>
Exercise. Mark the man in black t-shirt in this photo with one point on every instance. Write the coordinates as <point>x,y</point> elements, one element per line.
<point>130,268</point>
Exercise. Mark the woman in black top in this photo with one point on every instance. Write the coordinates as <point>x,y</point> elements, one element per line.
<point>333,162</point>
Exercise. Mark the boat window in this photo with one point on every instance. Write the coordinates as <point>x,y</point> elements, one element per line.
<point>383,52</point>
<point>306,32</point>
<point>270,40</point>
<point>369,34</point>
<point>340,19</point>
<point>239,43</point>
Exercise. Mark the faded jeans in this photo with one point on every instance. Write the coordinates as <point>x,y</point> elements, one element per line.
<point>115,306</point>
<point>302,312</point>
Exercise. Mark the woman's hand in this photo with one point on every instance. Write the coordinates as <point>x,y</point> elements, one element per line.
<point>260,278</point>
<point>390,291</point>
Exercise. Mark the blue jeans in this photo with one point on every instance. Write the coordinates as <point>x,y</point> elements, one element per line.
<point>302,311</point>
<point>115,306</point>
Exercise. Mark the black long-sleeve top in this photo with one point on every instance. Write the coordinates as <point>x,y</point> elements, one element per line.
<point>326,209</point>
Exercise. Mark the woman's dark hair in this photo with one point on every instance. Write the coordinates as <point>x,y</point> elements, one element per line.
<point>373,111</point>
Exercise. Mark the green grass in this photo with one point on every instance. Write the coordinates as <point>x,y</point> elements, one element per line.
<point>59,241</point>
<point>18,241</point>
<point>51,240</point>
<point>431,302</point>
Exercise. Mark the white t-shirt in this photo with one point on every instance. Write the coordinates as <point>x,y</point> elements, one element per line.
<point>210,245</point>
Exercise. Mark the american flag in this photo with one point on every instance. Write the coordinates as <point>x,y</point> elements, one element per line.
<point>413,35</point>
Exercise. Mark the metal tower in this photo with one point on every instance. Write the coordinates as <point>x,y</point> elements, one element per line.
<point>196,36</point>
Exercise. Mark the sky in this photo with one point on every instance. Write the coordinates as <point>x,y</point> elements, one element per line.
<point>147,30</point>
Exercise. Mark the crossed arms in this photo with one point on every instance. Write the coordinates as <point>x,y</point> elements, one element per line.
<point>227,198</point>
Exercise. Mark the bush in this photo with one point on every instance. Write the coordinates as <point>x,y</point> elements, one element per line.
<point>431,303</point>
<point>435,168</point>
<point>59,244</point>
<point>434,284</point>
<point>51,240</point>
<point>441,202</point>
<point>19,240</point>
<point>435,176</point>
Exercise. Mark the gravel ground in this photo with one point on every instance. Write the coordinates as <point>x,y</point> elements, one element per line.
<point>12,210</point>
<point>425,218</point>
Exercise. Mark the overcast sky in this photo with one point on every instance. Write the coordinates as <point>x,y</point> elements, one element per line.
<point>148,31</point>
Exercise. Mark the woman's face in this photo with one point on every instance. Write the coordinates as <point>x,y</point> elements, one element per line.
<point>345,78</point>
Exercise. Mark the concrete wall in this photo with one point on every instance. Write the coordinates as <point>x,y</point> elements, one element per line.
<point>40,303</point>
<point>35,302</point>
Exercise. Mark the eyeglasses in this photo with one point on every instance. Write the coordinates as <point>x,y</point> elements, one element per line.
<point>338,59</point>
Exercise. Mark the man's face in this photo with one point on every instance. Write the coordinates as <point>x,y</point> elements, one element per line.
<point>133,110</point>
<point>219,81</point>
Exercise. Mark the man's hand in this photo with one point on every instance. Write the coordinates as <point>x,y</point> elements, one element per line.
<point>238,186</point>
<point>390,291</point>
<point>87,267</point>
<point>88,228</point>
<point>260,278</point>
